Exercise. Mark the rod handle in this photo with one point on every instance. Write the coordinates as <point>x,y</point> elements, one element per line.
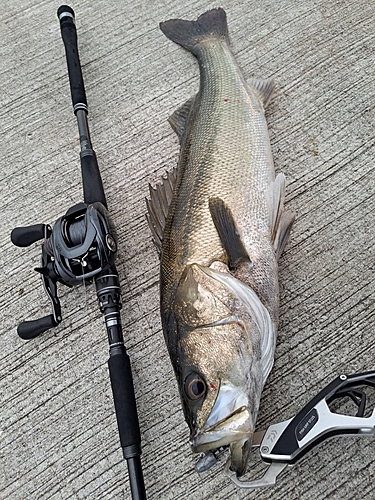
<point>30,329</point>
<point>93,190</point>
<point>125,405</point>
<point>69,35</point>
<point>27,235</point>
<point>127,420</point>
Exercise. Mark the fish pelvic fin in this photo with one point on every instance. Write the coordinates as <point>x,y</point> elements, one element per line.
<point>281,220</point>
<point>179,118</point>
<point>283,231</point>
<point>158,206</point>
<point>228,233</point>
<point>190,33</point>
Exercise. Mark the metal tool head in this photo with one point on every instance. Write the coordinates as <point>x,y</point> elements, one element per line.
<point>285,443</point>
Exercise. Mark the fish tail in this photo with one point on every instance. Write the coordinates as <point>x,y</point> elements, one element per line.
<point>190,33</point>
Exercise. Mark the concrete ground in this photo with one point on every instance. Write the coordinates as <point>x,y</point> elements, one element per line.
<point>58,431</point>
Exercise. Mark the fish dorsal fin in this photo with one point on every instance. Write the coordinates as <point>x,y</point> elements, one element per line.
<point>281,222</point>
<point>263,88</point>
<point>179,118</point>
<point>228,233</point>
<point>158,206</point>
<point>161,194</point>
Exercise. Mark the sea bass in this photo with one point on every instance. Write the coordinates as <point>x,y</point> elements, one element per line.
<point>220,225</point>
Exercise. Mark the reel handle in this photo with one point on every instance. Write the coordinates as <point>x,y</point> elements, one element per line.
<point>30,329</point>
<point>27,235</point>
<point>69,35</point>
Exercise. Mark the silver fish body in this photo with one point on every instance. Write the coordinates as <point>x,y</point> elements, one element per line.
<point>220,232</point>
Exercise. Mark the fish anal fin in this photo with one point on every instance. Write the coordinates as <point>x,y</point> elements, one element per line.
<point>158,206</point>
<point>230,239</point>
<point>263,88</point>
<point>179,117</point>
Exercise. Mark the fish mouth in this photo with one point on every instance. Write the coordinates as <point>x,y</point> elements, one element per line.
<point>229,423</point>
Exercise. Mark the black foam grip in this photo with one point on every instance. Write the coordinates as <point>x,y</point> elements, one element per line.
<point>31,329</point>
<point>69,36</point>
<point>26,236</point>
<point>124,398</point>
<point>93,190</point>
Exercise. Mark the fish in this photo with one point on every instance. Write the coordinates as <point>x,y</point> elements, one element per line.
<point>219,223</point>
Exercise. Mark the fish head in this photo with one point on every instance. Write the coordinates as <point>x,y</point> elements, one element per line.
<point>222,359</point>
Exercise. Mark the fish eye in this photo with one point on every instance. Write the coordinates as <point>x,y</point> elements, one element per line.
<point>195,386</point>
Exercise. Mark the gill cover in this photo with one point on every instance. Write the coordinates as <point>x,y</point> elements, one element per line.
<point>206,297</point>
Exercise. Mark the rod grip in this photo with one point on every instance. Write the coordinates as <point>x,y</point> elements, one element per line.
<point>93,190</point>
<point>31,329</point>
<point>125,405</point>
<point>69,35</point>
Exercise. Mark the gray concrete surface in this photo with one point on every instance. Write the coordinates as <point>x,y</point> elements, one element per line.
<point>58,431</point>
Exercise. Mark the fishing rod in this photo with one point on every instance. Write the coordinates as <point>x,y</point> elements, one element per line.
<point>81,247</point>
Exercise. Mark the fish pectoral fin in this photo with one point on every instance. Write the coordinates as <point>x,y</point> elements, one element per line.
<point>229,236</point>
<point>263,88</point>
<point>158,206</point>
<point>179,118</point>
<point>281,221</point>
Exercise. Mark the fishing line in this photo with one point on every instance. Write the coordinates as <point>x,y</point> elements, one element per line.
<point>85,308</point>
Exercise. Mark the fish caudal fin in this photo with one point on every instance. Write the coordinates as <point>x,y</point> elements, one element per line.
<point>281,221</point>
<point>229,236</point>
<point>190,33</point>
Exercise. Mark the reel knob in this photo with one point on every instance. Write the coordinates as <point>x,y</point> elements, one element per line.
<point>26,236</point>
<point>30,329</point>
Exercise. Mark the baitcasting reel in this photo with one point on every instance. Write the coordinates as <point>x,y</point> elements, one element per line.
<point>79,247</point>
